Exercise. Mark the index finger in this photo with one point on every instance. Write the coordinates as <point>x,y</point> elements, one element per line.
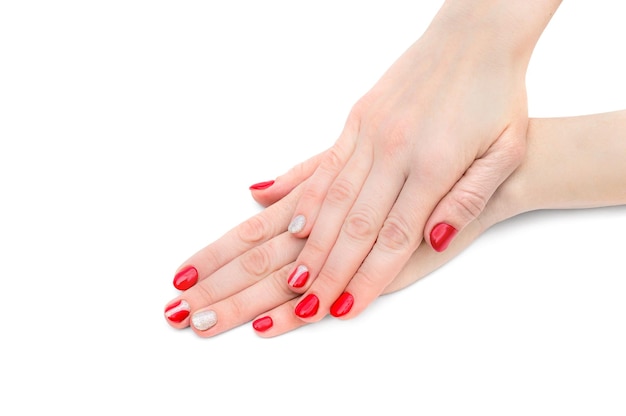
<point>256,230</point>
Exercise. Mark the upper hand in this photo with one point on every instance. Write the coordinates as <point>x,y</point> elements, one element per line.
<point>420,156</point>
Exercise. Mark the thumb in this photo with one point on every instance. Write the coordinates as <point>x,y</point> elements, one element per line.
<point>470,195</point>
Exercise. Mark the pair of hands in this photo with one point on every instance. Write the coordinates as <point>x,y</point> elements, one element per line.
<point>242,276</point>
<point>419,158</point>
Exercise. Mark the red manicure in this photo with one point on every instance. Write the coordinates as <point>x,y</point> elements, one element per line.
<point>307,306</point>
<point>298,277</point>
<point>342,305</point>
<point>261,185</point>
<point>441,236</point>
<point>263,324</point>
<point>177,311</point>
<point>185,278</point>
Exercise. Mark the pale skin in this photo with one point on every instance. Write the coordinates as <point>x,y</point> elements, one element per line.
<point>575,162</point>
<point>421,153</point>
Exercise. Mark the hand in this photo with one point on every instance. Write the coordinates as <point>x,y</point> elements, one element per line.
<point>420,155</point>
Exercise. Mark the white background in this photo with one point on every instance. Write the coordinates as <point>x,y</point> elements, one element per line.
<point>130,131</point>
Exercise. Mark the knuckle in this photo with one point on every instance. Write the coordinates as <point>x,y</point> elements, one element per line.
<point>315,249</point>
<point>256,262</point>
<point>397,139</point>
<point>395,235</point>
<point>328,280</point>
<point>341,191</point>
<point>517,152</point>
<point>360,225</point>
<point>212,257</point>
<point>368,281</point>
<point>254,230</point>
<point>206,293</point>
<point>298,171</point>
<point>237,306</point>
<point>360,108</point>
<point>333,160</point>
<point>311,195</point>
<point>278,287</point>
<point>512,150</point>
<point>470,203</point>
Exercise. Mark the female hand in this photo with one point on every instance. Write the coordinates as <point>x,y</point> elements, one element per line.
<point>420,155</point>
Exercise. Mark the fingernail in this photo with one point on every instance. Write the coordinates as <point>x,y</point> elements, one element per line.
<point>342,305</point>
<point>298,277</point>
<point>203,320</point>
<point>177,311</point>
<point>307,306</point>
<point>441,236</point>
<point>263,324</point>
<point>297,224</point>
<point>261,185</point>
<point>185,278</point>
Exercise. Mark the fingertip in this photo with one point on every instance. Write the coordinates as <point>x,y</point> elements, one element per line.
<point>278,321</point>
<point>269,192</point>
<point>342,306</point>
<point>441,236</point>
<point>177,313</point>
<point>298,279</point>
<point>297,224</point>
<point>185,278</point>
<point>307,307</point>
<point>262,192</point>
<point>263,324</point>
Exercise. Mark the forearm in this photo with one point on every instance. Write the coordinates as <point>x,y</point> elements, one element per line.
<point>574,162</point>
<point>510,27</point>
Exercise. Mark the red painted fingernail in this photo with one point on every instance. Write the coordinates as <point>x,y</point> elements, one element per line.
<point>263,324</point>
<point>261,185</point>
<point>177,311</point>
<point>441,236</point>
<point>342,305</point>
<point>186,278</point>
<point>298,277</point>
<point>308,306</point>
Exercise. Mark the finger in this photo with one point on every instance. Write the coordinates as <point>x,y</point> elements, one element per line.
<point>239,274</point>
<point>340,198</point>
<point>422,262</point>
<point>399,237</point>
<point>332,163</point>
<point>469,196</point>
<point>268,192</point>
<point>425,260</point>
<point>358,234</point>
<point>251,233</point>
<point>278,321</point>
<point>243,306</point>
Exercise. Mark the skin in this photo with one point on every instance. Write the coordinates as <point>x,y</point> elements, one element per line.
<point>429,144</point>
<point>575,162</point>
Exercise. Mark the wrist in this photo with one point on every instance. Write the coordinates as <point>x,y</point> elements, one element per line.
<point>572,162</point>
<point>508,29</point>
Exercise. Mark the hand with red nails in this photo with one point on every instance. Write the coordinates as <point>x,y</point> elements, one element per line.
<point>420,155</point>
<point>242,277</point>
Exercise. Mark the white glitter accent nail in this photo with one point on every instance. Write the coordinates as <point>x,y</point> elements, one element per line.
<point>297,224</point>
<point>204,320</point>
